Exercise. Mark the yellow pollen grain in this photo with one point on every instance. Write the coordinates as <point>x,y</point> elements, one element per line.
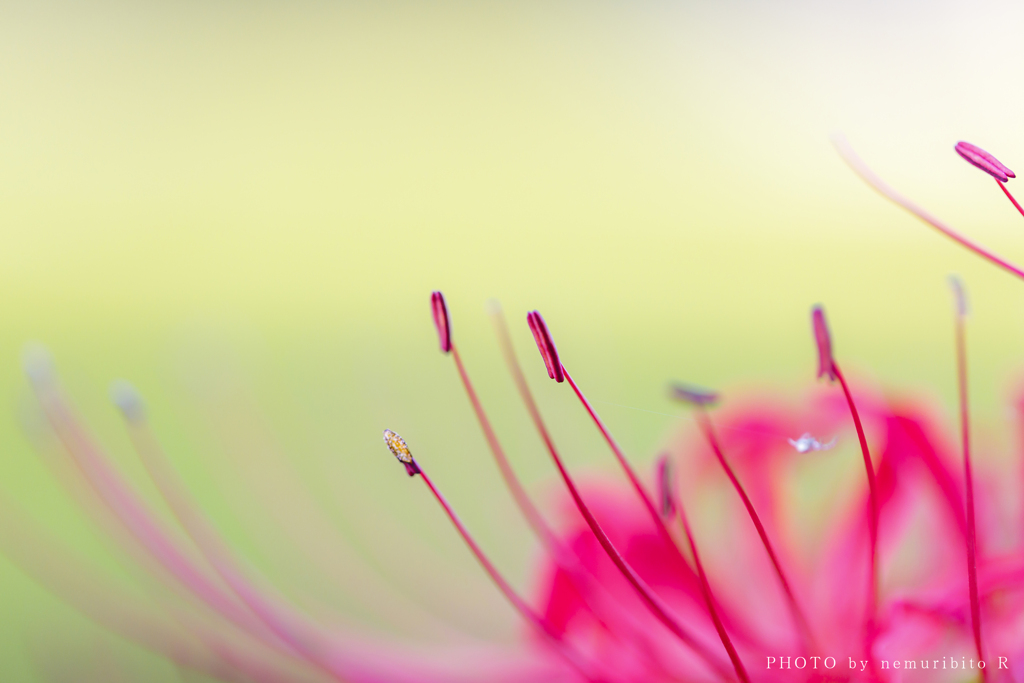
<point>397,446</point>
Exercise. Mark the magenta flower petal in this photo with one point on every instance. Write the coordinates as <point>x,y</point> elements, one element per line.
<point>986,162</point>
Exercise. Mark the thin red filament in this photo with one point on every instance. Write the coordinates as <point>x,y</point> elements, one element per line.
<point>972,558</point>
<point>868,176</point>
<point>660,524</point>
<point>503,585</point>
<point>799,619</point>
<point>562,556</point>
<point>649,598</point>
<point>872,508</point>
<point>714,608</point>
<point>529,510</point>
<point>652,509</point>
<point>733,656</point>
<point>655,604</point>
<point>1002,186</point>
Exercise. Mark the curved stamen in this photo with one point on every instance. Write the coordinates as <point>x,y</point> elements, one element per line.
<point>564,558</point>
<point>827,366</point>
<point>653,602</point>
<point>867,175</point>
<point>961,378</point>
<point>132,511</point>
<point>287,623</point>
<point>401,451</point>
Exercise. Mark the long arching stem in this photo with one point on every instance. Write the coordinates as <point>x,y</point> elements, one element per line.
<point>868,176</point>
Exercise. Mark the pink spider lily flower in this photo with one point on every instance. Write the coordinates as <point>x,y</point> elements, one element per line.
<point>613,582</point>
<point>714,565</point>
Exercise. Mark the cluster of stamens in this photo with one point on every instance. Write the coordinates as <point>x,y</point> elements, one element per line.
<point>669,507</point>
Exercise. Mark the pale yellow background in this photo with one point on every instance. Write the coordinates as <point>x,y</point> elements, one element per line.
<point>256,199</point>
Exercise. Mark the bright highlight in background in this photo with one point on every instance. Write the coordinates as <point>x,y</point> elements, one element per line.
<point>243,209</point>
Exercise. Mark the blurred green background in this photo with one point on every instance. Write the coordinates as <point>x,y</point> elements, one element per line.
<point>243,207</point>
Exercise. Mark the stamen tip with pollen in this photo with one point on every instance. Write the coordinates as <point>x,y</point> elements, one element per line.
<point>979,158</point>
<point>824,341</point>
<point>545,345</point>
<point>400,450</point>
<point>698,396</point>
<point>439,309</point>
<point>127,400</point>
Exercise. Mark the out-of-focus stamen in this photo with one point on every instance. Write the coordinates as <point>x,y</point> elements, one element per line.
<point>325,648</point>
<point>868,176</point>
<point>666,487</point>
<point>128,506</point>
<point>694,395</point>
<point>823,340</point>
<point>960,303</point>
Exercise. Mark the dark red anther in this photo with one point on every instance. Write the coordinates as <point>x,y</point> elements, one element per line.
<point>547,347</point>
<point>824,341</point>
<point>441,322</point>
<point>978,157</point>
<point>694,395</point>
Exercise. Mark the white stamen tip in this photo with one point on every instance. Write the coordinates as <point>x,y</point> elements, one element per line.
<point>492,307</point>
<point>959,296</point>
<point>127,400</point>
<point>807,443</point>
<point>38,365</point>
